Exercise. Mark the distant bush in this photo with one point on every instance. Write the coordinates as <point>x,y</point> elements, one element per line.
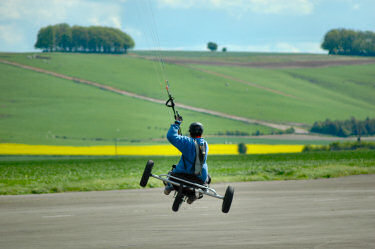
<point>309,147</point>
<point>242,148</point>
<point>233,133</point>
<point>336,146</point>
<point>212,46</point>
<point>256,133</point>
<point>345,128</point>
<point>287,131</point>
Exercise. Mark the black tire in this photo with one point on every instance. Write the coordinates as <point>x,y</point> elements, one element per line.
<point>146,173</point>
<point>177,202</point>
<point>228,197</point>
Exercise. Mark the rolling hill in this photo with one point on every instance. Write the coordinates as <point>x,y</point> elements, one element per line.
<point>42,109</point>
<point>279,88</point>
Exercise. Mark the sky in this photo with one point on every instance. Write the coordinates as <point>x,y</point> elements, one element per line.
<point>239,25</point>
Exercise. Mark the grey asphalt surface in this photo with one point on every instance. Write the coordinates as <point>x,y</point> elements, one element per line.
<point>326,213</point>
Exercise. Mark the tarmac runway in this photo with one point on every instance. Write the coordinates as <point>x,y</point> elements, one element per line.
<point>326,213</point>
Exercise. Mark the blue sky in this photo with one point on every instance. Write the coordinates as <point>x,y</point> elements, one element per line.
<point>239,25</point>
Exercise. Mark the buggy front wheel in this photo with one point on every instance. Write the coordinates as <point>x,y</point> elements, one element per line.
<point>177,202</point>
<point>227,201</point>
<point>146,173</point>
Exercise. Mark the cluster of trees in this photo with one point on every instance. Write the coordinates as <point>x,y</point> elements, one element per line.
<point>213,47</point>
<point>257,133</point>
<point>358,145</point>
<point>94,39</point>
<point>233,133</point>
<point>351,127</point>
<point>349,42</point>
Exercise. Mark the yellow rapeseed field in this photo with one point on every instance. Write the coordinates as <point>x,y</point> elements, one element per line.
<point>268,149</point>
<point>163,150</point>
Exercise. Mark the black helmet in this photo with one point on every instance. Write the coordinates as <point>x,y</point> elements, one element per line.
<point>196,129</point>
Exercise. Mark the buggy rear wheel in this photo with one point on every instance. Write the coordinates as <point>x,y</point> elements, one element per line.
<point>146,173</point>
<point>177,202</point>
<point>228,197</point>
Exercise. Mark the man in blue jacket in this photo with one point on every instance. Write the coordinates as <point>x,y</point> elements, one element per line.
<point>194,151</point>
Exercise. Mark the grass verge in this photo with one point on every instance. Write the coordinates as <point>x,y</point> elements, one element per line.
<point>34,175</point>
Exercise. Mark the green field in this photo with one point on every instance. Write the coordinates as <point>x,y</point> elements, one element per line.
<point>41,109</point>
<point>25,175</point>
<point>316,93</point>
<point>331,92</point>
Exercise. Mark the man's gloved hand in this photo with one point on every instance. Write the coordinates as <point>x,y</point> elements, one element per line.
<point>179,117</point>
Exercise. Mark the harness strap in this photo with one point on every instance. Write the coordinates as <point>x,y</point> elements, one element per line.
<point>197,168</point>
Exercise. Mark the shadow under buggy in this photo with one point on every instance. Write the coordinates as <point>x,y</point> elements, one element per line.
<point>187,186</point>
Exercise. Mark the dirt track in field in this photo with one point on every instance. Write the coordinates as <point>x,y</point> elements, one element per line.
<point>288,64</point>
<point>134,95</point>
<point>314,214</point>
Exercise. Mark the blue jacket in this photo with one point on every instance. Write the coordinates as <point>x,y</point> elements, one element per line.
<point>187,147</point>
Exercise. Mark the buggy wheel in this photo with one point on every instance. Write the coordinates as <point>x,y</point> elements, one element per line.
<point>146,173</point>
<point>228,197</point>
<point>177,202</point>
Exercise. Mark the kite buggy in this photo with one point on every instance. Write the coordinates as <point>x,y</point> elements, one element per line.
<point>186,188</point>
<point>189,178</point>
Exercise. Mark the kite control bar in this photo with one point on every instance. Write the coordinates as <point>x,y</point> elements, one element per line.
<point>170,103</point>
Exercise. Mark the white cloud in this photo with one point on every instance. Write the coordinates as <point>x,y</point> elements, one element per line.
<point>280,47</point>
<point>277,47</point>
<point>196,47</point>
<point>249,48</point>
<point>298,7</point>
<point>286,47</point>
<point>18,17</point>
<point>81,12</point>
<point>33,11</point>
<point>309,47</point>
<point>10,34</point>
<point>179,3</point>
<point>41,12</point>
<point>133,32</point>
<point>356,6</point>
<point>9,10</point>
<point>116,21</point>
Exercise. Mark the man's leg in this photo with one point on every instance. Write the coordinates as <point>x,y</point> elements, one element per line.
<point>168,187</point>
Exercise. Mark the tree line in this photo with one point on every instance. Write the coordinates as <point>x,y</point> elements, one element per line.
<point>350,145</point>
<point>349,42</point>
<point>94,39</point>
<point>345,128</point>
